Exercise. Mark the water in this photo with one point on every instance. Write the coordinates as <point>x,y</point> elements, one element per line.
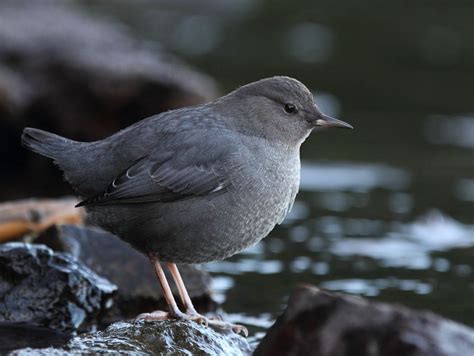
<point>385,210</point>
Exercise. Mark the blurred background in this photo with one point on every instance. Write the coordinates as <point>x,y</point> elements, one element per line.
<point>384,211</point>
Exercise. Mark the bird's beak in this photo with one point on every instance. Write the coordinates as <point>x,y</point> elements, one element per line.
<point>328,121</point>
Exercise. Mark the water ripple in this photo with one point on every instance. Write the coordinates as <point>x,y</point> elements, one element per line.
<point>357,177</point>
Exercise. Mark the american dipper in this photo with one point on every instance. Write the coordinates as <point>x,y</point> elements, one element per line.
<point>196,184</point>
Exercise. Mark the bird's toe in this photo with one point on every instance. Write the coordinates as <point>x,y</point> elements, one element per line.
<point>157,315</point>
<point>238,329</point>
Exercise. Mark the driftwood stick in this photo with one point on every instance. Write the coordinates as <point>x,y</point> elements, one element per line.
<point>22,217</point>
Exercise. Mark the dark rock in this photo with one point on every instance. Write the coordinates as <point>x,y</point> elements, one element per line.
<point>81,77</point>
<point>15,336</point>
<point>50,289</point>
<point>130,270</point>
<point>152,338</point>
<point>321,323</point>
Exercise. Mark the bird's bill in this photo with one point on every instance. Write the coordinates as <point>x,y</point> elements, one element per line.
<point>328,121</point>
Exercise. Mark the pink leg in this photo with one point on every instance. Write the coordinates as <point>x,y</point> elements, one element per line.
<point>183,293</point>
<point>191,311</point>
<point>174,311</point>
<point>173,307</point>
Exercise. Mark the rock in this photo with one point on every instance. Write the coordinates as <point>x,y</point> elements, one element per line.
<point>152,338</point>
<point>81,77</point>
<point>15,336</point>
<point>130,270</point>
<point>44,288</point>
<point>321,323</point>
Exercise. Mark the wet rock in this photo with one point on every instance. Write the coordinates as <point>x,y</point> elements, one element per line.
<point>79,76</point>
<point>50,289</point>
<point>110,257</point>
<point>321,323</point>
<point>152,338</point>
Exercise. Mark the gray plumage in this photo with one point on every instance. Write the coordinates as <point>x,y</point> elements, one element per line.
<point>199,183</point>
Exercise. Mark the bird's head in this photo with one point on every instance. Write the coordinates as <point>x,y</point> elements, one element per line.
<point>280,108</point>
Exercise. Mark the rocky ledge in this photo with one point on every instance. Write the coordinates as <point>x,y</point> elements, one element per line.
<point>151,338</point>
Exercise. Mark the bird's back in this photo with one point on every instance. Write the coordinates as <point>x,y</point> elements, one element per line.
<point>91,166</point>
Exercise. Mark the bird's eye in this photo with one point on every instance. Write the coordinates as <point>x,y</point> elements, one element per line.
<point>290,108</point>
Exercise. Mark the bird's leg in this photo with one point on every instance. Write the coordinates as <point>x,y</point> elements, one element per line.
<point>191,311</point>
<point>174,311</point>
<point>183,293</point>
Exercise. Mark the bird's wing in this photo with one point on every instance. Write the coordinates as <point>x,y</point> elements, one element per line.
<point>197,166</point>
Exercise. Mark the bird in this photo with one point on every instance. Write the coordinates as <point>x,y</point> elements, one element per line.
<point>195,184</point>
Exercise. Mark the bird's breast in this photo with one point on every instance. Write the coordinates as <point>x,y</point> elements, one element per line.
<point>265,197</point>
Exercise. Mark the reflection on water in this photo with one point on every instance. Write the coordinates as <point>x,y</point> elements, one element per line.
<point>352,177</point>
<point>246,265</point>
<point>457,130</point>
<point>372,288</point>
<point>409,245</point>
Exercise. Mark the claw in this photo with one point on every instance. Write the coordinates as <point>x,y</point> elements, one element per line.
<point>240,329</point>
<point>224,325</point>
<point>202,320</point>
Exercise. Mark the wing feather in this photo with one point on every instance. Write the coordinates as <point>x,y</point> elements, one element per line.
<point>169,176</point>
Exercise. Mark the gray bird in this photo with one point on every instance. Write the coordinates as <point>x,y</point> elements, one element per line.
<point>196,184</point>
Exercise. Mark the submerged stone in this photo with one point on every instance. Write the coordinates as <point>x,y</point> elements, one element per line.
<point>44,288</point>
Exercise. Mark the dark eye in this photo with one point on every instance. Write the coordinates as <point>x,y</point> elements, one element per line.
<point>290,108</point>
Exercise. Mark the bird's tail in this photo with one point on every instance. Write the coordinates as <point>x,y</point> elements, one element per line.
<point>44,143</point>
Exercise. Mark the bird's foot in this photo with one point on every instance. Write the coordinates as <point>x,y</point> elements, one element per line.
<point>191,315</point>
<point>221,324</point>
<point>159,315</point>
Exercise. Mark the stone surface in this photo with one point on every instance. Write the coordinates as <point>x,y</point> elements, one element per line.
<point>81,77</point>
<point>152,338</point>
<point>321,323</point>
<point>50,289</point>
<point>110,257</point>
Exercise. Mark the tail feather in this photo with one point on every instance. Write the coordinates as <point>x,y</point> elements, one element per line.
<point>44,143</point>
<point>69,155</point>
